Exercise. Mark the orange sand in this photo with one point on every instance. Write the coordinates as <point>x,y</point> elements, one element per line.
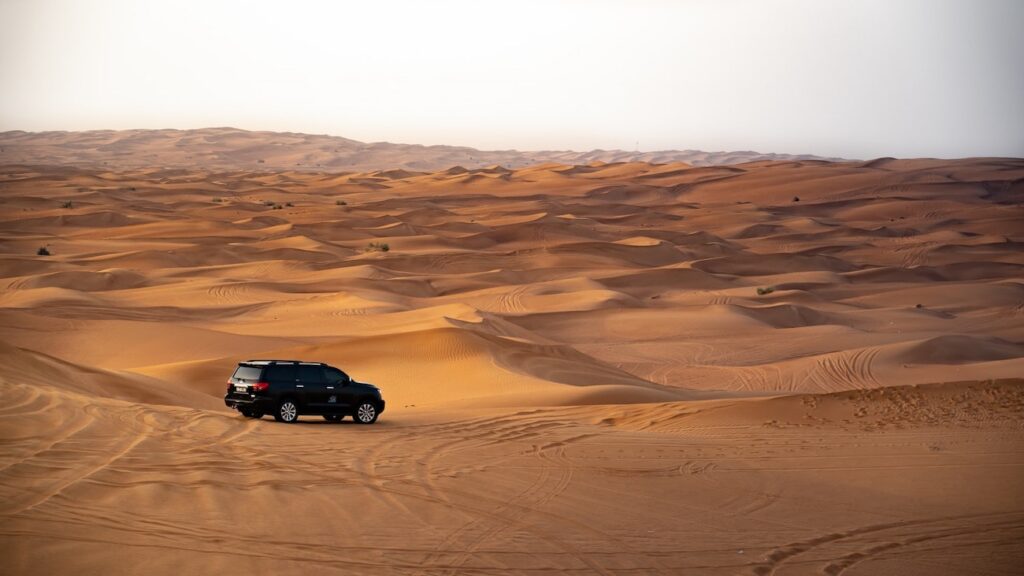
<point>580,373</point>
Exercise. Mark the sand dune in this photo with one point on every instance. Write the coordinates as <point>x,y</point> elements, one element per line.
<point>234,149</point>
<point>592,365</point>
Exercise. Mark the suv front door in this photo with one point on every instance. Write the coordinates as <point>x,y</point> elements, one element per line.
<point>337,385</point>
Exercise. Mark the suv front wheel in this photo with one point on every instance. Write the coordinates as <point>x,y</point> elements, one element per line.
<point>287,411</point>
<point>366,413</point>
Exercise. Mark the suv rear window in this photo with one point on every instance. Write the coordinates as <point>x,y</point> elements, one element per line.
<point>247,373</point>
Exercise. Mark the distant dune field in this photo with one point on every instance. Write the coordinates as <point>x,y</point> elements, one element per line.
<point>771,367</point>
<point>234,149</point>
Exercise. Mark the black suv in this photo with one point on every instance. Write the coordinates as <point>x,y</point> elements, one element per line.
<point>289,388</point>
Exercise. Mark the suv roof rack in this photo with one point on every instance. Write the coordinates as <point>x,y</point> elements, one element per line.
<point>281,362</point>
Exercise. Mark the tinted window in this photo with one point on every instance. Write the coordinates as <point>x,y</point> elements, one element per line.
<point>248,372</point>
<point>281,373</point>
<point>310,373</point>
<point>335,375</point>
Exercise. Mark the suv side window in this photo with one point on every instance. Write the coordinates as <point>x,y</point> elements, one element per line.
<point>334,376</point>
<point>310,374</point>
<point>281,373</point>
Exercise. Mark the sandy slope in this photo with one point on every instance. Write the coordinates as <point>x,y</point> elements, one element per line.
<point>582,375</point>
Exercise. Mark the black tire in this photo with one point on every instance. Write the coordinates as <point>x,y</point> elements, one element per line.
<point>333,417</point>
<point>287,411</point>
<point>250,413</point>
<point>366,412</point>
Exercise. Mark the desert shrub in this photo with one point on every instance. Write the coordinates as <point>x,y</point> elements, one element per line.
<point>277,207</point>
<point>42,251</point>
<point>340,203</point>
<point>269,203</point>
<point>218,199</point>
<point>796,198</point>
<point>67,204</point>
<point>765,290</point>
<point>289,204</point>
<point>377,247</point>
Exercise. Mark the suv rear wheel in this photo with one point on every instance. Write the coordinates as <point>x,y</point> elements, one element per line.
<point>366,413</point>
<point>251,413</point>
<point>287,411</point>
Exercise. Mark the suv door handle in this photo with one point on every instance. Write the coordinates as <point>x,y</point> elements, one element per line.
<point>300,386</point>
<point>330,387</point>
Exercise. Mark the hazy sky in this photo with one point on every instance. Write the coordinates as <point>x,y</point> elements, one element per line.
<point>858,79</point>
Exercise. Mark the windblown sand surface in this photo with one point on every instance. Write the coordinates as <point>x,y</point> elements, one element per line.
<point>770,368</point>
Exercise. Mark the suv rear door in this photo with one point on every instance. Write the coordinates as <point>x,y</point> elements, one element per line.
<point>281,378</point>
<point>310,378</point>
<point>243,378</point>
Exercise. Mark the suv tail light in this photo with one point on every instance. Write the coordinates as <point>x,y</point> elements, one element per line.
<point>229,386</point>
<point>260,386</point>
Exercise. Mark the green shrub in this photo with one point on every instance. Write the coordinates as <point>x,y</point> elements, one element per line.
<point>42,251</point>
<point>340,203</point>
<point>67,204</point>
<point>377,247</point>
<point>765,290</point>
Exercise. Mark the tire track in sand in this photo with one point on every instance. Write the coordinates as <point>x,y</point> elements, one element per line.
<point>494,517</point>
<point>777,558</point>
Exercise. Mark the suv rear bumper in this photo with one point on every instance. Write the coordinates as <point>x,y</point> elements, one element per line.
<point>262,404</point>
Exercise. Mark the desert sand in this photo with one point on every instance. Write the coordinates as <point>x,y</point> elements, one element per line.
<point>232,149</point>
<point>798,367</point>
